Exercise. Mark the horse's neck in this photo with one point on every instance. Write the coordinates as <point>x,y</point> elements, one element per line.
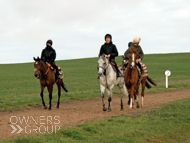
<point>129,71</point>
<point>110,70</point>
<point>44,66</point>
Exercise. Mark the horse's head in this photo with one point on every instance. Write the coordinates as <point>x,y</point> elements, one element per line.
<point>37,67</point>
<point>102,65</point>
<point>132,60</point>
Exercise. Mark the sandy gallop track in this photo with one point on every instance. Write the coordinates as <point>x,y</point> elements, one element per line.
<point>76,112</point>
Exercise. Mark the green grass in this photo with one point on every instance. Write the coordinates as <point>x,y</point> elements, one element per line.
<point>170,124</point>
<point>19,88</point>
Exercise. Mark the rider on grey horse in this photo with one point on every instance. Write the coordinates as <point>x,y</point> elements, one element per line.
<point>110,52</point>
<point>134,46</point>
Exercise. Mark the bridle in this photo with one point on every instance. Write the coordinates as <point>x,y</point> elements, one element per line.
<point>40,70</point>
<point>104,68</point>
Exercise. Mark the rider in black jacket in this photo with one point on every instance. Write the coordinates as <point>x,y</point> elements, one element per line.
<point>110,51</point>
<point>48,55</point>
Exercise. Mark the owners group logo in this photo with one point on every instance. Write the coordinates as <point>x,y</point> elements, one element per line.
<point>30,124</point>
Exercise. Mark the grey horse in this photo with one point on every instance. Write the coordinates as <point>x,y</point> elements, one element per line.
<point>108,80</point>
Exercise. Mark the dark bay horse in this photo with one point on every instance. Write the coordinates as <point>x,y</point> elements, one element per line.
<point>132,80</point>
<point>47,78</point>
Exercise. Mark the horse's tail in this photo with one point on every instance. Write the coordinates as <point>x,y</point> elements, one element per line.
<point>151,81</point>
<point>148,85</point>
<point>63,86</point>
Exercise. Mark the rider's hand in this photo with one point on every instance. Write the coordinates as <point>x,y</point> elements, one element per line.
<point>107,56</point>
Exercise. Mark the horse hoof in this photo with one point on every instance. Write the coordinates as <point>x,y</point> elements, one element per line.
<point>130,108</point>
<point>109,110</point>
<point>128,102</point>
<point>122,109</point>
<point>57,107</point>
<point>104,108</point>
<point>45,107</point>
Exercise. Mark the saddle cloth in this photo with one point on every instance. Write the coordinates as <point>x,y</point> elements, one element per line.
<point>139,70</point>
<point>144,68</point>
<point>61,75</point>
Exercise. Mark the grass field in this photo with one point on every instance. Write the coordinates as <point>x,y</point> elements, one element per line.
<point>170,124</point>
<point>19,88</point>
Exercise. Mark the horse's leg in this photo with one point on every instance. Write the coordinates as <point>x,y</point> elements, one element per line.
<point>137,95</point>
<point>131,96</point>
<point>59,92</point>
<point>129,91</point>
<point>102,89</point>
<point>110,91</point>
<point>122,92</point>
<point>42,96</point>
<point>143,89</point>
<point>50,90</point>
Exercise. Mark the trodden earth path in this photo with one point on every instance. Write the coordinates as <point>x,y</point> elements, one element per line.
<point>76,112</point>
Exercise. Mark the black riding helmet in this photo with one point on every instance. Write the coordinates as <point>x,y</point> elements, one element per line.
<point>108,36</point>
<point>50,42</point>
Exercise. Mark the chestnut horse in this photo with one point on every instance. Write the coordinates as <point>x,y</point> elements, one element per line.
<point>47,78</point>
<point>131,76</point>
<point>132,80</point>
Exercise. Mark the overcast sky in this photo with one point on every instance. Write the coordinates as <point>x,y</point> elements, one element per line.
<point>77,27</point>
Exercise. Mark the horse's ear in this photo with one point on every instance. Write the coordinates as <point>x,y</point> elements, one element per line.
<point>34,58</point>
<point>136,50</point>
<point>38,58</point>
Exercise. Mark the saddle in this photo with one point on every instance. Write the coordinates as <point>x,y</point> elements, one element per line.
<point>113,66</point>
<point>61,75</point>
<point>120,74</point>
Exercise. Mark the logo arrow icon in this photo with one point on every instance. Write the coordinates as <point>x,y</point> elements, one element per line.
<point>15,129</point>
<point>20,129</point>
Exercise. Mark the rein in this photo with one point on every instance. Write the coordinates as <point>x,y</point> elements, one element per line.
<point>47,71</point>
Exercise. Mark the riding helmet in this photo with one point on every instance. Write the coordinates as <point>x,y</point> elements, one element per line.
<point>108,36</point>
<point>50,42</point>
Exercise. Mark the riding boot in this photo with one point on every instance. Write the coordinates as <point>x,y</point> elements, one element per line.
<point>57,71</point>
<point>119,74</point>
<point>141,68</point>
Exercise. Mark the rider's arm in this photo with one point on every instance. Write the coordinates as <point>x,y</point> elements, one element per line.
<point>43,56</point>
<point>141,53</point>
<point>127,54</point>
<point>53,56</point>
<point>115,52</point>
<point>101,51</point>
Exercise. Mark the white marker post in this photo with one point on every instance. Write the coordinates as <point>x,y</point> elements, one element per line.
<point>167,73</point>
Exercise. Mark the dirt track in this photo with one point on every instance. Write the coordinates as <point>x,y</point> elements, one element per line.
<point>77,112</point>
